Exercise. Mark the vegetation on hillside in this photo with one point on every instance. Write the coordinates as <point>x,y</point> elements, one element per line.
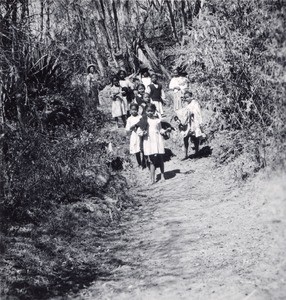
<point>56,173</point>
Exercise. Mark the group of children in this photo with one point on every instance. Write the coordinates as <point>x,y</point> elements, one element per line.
<point>123,93</point>
<point>143,105</point>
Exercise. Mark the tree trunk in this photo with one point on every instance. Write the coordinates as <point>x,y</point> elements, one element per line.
<point>14,13</point>
<point>48,22</point>
<point>107,33</point>
<point>42,19</point>
<point>116,24</point>
<point>172,20</point>
<point>184,18</point>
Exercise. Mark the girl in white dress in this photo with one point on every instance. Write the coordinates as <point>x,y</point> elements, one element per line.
<point>127,85</point>
<point>135,139</point>
<point>118,108</point>
<point>178,85</point>
<point>153,141</point>
<point>146,79</point>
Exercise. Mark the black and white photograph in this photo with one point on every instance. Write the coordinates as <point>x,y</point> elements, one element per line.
<point>142,150</point>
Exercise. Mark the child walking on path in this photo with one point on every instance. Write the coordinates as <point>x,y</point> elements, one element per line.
<point>153,141</point>
<point>118,108</point>
<point>156,93</point>
<point>135,139</point>
<point>190,122</point>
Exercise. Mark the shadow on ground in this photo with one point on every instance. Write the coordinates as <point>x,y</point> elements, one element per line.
<point>204,152</point>
<point>168,155</point>
<point>169,174</point>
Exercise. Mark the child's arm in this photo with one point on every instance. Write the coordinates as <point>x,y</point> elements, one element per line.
<point>148,90</point>
<point>115,94</point>
<point>141,132</point>
<point>128,127</point>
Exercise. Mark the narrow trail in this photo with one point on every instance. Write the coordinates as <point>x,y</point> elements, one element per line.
<point>198,235</point>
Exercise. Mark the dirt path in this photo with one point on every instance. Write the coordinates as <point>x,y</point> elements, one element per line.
<point>199,236</point>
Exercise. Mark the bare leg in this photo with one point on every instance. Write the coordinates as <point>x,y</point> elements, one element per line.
<point>138,158</point>
<point>196,144</point>
<point>161,164</point>
<point>186,145</point>
<point>124,120</point>
<point>116,120</point>
<point>152,172</point>
<point>143,161</point>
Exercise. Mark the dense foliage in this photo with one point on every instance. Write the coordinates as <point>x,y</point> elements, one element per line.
<point>234,55</point>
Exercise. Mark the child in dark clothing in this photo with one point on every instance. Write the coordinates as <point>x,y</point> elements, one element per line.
<point>156,93</point>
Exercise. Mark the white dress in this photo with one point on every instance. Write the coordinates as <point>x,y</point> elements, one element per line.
<point>125,83</point>
<point>146,81</point>
<point>153,141</point>
<point>135,139</point>
<point>179,86</point>
<point>118,107</point>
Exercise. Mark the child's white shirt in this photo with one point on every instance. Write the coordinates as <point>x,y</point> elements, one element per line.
<point>135,140</point>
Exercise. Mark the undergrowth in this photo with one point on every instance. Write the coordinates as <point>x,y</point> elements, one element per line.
<point>235,56</point>
<point>62,194</point>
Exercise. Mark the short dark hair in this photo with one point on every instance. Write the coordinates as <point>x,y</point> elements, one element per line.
<point>150,105</point>
<point>134,105</point>
<point>112,79</point>
<point>188,93</point>
<point>140,85</point>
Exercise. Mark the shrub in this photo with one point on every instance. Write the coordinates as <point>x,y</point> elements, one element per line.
<point>234,56</point>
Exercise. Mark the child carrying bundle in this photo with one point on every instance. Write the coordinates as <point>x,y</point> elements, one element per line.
<point>189,119</point>
<point>135,139</point>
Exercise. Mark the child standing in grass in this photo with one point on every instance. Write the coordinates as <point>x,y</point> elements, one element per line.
<point>93,86</point>
<point>118,108</point>
<point>135,139</point>
<point>153,142</point>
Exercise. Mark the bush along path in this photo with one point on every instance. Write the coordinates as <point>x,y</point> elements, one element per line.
<point>198,235</point>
